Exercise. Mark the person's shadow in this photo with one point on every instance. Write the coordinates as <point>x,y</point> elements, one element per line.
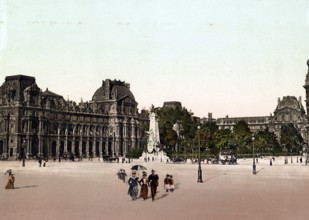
<point>22,187</point>
<point>166,193</point>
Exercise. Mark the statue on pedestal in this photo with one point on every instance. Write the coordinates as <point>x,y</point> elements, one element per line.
<point>154,148</point>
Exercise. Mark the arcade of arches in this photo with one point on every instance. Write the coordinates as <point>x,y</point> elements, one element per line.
<point>36,123</point>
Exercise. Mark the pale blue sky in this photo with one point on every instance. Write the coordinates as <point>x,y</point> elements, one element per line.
<point>228,57</point>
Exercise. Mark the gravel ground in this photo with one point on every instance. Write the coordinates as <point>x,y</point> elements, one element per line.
<point>91,190</point>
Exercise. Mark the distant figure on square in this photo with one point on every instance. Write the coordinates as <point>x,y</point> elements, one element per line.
<point>11,180</point>
<point>144,186</point>
<point>153,181</point>
<point>133,185</point>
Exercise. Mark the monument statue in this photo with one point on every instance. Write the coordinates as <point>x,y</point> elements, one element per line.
<point>154,148</point>
<point>153,144</point>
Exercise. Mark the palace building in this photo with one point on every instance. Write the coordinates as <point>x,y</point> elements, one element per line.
<point>289,110</point>
<point>36,123</point>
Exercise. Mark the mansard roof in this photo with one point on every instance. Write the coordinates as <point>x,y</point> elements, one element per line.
<point>50,94</point>
<point>290,102</point>
<point>113,90</point>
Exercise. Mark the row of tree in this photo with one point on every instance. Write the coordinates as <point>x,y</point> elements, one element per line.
<point>190,137</point>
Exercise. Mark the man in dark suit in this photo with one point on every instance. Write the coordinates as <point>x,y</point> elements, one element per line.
<point>153,181</point>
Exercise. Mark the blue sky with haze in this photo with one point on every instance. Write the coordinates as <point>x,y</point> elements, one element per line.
<point>226,57</point>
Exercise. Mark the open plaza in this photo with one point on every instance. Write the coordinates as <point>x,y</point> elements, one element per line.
<point>92,190</point>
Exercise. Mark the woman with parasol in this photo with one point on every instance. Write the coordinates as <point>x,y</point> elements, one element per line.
<point>133,185</point>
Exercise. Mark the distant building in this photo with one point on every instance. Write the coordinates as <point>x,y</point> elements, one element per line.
<point>45,124</point>
<point>288,110</point>
<point>209,119</point>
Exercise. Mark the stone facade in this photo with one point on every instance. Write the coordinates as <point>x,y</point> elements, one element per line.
<point>45,124</point>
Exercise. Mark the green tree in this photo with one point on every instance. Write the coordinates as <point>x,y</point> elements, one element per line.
<point>266,142</point>
<point>224,140</point>
<point>168,137</point>
<point>291,137</point>
<point>242,137</point>
<point>207,136</point>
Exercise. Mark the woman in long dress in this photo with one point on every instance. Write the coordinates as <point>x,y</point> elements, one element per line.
<point>11,180</point>
<point>133,186</point>
<point>144,186</point>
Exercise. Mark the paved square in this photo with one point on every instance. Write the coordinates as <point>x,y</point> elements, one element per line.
<point>91,190</point>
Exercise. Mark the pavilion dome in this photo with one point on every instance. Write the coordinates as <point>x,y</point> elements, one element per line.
<point>112,90</point>
<point>290,102</point>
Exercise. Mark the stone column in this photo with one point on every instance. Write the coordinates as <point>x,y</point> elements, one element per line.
<point>29,146</point>
<point>133,133</point>
<point>28,150</point>
<point>80,146</point>
<point>65,150</point>
<point>40,137</point>
<point>125,137</point>
<point>73,145</point>
<point>100,147</point>
<point>106,145</point>
<point>73,140</point>
<point>58,140</point>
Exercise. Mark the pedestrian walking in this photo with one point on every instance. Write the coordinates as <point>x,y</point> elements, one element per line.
<point>153,182</point>
<point>270,162</point>
<point>144,186</point>
<point>133,186</point>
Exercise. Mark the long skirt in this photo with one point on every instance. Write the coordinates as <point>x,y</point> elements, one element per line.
<point>10,184</point>
<point>167,187</point>
<point>133,191</point>
<point>144,191</point>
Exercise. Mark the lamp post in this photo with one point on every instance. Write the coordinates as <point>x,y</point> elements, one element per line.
<point>291,156</point>
<point>297,152</point>
<point>285,156</point>
<point>199,172</point>
<point>253,166</point>
<point>130,151</point>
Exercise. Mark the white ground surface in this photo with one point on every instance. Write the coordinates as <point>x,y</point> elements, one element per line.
<point>91,190</point>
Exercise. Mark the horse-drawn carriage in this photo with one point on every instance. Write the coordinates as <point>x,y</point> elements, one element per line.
<point>110,159</point>
<point>178,160</point>
<point>227,157</point>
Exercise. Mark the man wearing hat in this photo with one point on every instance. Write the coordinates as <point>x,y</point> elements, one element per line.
<point>153,181</point>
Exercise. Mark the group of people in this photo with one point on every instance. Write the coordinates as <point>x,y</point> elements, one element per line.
<point>151,181</point>
<point>169,183</point>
